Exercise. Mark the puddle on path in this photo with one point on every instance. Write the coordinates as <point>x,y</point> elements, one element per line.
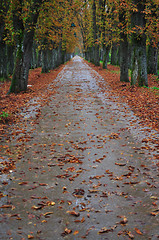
<point>84,169</point>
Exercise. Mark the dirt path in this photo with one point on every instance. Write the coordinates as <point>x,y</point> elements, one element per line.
<point>87,171</point>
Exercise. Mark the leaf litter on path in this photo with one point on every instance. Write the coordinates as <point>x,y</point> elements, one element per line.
<point>95,164</point>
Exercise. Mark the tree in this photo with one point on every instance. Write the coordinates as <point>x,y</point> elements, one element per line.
<point>124,59</point>
<point>56,33</point>
<point>95,36</point>
<point>3,46</point>
<point>152,36</point>
<point>25,15</point>
<point>139,59</point>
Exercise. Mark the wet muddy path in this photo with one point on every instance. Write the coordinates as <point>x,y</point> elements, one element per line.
<point>86,171</point>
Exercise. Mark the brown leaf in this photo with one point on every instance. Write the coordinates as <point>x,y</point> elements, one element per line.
<point>43,184</point>
<point>23,183</point>
<point>130,235</point>
<point>30,236</point>
<point>74,213</point>
<point>120,164</point>
<point>47,214</point>
<point>37,207</point>
<point>124,221</point>
<point>138,231</point>
<point>6,206</point>
<point>75,232</point>
<point>93,190</point>
<point>66,232</point>
<point>104,230</point>
<point>155,213</point>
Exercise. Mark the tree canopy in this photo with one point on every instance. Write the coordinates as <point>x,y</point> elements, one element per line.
<point>92,26</point>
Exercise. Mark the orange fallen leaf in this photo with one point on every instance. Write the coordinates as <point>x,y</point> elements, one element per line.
<point>120,164</point>
<point>30,236</point>
<point>138,231</point>
<point>66,232</point>
<point>75,232</point>
<point>73,213</point>
<point>104,230</point>
<point>124,221</point>
<point>130,235</point>
<point>37,207</point>
<point>93,190</point>
<point>23,183</point>
<point>154,213</point>
<point>6,206</point>
<point>43,184</point>
<point>47,214</point>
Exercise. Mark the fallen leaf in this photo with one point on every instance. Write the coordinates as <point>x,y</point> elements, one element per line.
<point>43,184</point>
<point>37,207</point>
<point>155,212</point>
<point>74,213</point>
<point>120,164</point>
<point>66,232</point>
<point>124,221</point>
<point>75,232</point>
<point>6,206</point>
<point>138,231</point>
<point>47,214</point>
<point>130,235</point>
<point>104,230</point>
<point>30,236</point>
<point>93,190</point>
<point>23,183</point>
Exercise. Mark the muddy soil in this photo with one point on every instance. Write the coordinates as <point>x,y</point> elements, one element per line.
<point>84,167</point>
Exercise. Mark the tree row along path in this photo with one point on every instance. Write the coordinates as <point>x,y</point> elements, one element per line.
<point>85,170</point>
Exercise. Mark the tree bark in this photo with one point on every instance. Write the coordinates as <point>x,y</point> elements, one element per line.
<point>45,64</point>
<point>25,37</point>
<point>152,57</point>
<point>96,58</point>
<point>10,59</point>
<point>139,63</point>
<point>114,54</point>
<point>106,56</point>
<point>3,47</point>
<point>34,58</point>
<point>124,59</point>
<point>3,61</point>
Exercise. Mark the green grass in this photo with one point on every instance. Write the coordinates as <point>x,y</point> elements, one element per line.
<point>155,88</point>
<point>3,116</point>
<point>2,79</point>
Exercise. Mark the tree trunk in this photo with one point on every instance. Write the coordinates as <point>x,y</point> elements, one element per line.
<point>152,59</point>
<point>4,5</point>
<point>96,57</point>
<point>16,78</point>
<point>45,64</point>
<point>10,59</point>
<point>124,59</point>
<point>139,68</point>
<point>34,59</point>
<point>114,54</point>
<point>23,60</point>
<point>39,60</point>
<point>106,50</point>
<point>27,54</point>
<point>3,61</point>
<point>24,45</point>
